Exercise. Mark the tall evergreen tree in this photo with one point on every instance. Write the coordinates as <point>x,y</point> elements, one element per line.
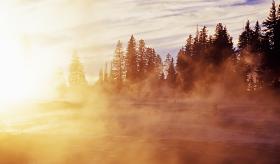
<point>245,44</point>
<point>271,26</point>
<point>222,45</point>
<point>142,59</point>
<point>246,38</point>
<point>196,47</point>
<point>272,57</point>
<point>76,72</point>
<point>189,46</point>
<point>158,67</point>
<point>151,55</point>
<point>185,67</point>
<point>171,76</point>
<point>117,64</point>
<point>166,64</point>
<point>131,65</point>
<point>257,39</point>
<point>203,39</point>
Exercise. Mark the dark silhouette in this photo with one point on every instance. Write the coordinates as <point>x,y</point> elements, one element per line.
<point>206,60</point>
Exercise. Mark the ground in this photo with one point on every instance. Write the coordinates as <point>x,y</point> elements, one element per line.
<point>164,131</point>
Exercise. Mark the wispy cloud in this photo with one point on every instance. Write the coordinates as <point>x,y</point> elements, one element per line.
<point>93,26</point>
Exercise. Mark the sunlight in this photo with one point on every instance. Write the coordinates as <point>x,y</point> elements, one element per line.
<point>23,76</point>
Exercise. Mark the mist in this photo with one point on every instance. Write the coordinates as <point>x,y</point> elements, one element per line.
<point>215,101</point>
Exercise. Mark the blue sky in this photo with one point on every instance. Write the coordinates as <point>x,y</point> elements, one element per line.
<point>55,28</point>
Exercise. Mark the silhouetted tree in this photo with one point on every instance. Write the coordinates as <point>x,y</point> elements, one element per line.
<point>222,45</point>
<point>257,58</point>
<point>171,76</point>
<point>246,38</point>
<point>271,27</point>
<point>142,58</point>
<point>272,56</point>
<point>203,41</point>
<point>158,67</point>
<point>151,55</point>
<point>245,43</point>
<point>257,39</point>
<point>131,62</point>
<point>189,46</point>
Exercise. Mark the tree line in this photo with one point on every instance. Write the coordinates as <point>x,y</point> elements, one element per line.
<point>204,60</point>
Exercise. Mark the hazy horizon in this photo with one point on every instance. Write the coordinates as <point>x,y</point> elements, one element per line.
<point>52,29</point>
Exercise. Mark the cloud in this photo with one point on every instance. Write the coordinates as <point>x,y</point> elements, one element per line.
<point>93,27</point>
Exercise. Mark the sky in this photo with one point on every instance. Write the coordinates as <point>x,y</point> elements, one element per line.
<point>50,30</point>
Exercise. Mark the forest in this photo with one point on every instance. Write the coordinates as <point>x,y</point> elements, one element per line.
<point>203,63</point>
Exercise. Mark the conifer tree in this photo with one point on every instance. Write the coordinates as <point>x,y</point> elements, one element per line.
<point>151,55</point>
<point>166,64</point>
<point>272,56</point>
<point>131,62</point>
<point>196,45</point>
<point>203,39</point>
<point>76,72</point>
<point>257,39</point>
<point>142,58</point>
<point>171,76</point>
<point>158,67</point>
<point>117,64</point>
<point>271,26</point>
<point>222,45</point>
<point>246,38</point>
<point>189,46</point>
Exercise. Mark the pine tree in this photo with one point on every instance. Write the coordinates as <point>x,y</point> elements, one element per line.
<point>166,64</point>
<point>222,45</point>
<point>196,47</point>
<point>203,39</point>
<point>245,45</point>
<point>271,24</point>
<point>272,57</point>
<point>257,39</point>
<point>171,76</point>
<point>277,35</point>
<point>117,64</point>
<point>189,46</point>
<point>151,55</point>
<point>131,62</point>
<point>76,72</point>
<point>158,67</point>
<point>181,62</point>
<point>185,68</point>
<point>142,58</point>
<point>246,38</point>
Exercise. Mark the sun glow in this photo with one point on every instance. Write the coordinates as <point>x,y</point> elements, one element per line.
<point>24,75</point>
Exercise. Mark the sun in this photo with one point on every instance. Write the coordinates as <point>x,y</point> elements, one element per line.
<point>23,76</point>
<point>14,73</point>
